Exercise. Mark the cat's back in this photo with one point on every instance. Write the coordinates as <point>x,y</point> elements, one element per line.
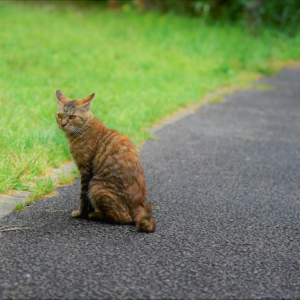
<point>116,162</point>
<point>115,151</point>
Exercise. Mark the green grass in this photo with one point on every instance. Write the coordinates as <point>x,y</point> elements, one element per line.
<point>75,173</point>
<point>64,178</point>
<point>19,206</point>
<point>141,66</point>
<point>43,186</point>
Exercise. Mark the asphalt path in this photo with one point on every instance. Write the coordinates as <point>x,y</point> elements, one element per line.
<point>224,184</point>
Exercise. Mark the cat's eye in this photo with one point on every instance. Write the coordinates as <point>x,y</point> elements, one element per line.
<point>72,117</point>
<point>60,115</point>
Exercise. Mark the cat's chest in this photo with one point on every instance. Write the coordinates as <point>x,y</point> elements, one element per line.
<point>82,151</point>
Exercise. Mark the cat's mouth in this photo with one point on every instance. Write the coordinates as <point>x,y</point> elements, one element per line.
<point>75,131</point>
<point>70,128</point>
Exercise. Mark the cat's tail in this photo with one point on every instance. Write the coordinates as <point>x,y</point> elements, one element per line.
<point>144,221</point>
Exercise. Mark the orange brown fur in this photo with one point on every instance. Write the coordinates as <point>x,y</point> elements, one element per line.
<point>113,187</point>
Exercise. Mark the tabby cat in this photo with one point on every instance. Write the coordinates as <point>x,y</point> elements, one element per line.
<point>113,187</point>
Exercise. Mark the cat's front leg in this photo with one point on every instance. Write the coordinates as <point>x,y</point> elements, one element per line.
<point>85,206</point>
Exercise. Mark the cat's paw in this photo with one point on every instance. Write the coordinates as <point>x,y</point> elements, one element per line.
<point>76,214</point>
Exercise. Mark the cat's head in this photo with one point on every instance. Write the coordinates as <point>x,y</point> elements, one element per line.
<point>73,115</point>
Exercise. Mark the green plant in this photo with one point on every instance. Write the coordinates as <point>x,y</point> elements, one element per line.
<point>19,206</point>
<point>29,201</point>
<point>64,178</point>
<point>43,186</point>
<point>75,173</point>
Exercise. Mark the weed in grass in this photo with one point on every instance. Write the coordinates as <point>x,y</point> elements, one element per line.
<point>20,186</point>
<point>16,182</point>
<point>75,173</point>
<point>142,67</point>
<point>19,206</point>
<point>29,201</point>
<point>42,187</point>
<point>64,178</point>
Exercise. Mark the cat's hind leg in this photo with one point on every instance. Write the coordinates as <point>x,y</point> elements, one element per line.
<point>109,207</point>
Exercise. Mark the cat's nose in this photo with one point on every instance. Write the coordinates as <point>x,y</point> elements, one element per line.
<point>63,123</point>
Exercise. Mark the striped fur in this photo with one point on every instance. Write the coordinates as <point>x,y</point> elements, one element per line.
<point>113,187</point>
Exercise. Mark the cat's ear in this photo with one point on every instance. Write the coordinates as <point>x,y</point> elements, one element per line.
<point>61,97</point>
<point>85,102</point>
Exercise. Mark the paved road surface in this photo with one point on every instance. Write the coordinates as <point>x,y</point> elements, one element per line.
<point>224,183</point>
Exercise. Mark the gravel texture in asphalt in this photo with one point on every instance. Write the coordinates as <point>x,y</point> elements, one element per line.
<point>224,184</point>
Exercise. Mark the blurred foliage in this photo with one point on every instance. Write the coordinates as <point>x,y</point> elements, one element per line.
<point>284,15</point>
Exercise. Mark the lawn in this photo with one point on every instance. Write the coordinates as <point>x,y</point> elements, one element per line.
<point>142,68</point>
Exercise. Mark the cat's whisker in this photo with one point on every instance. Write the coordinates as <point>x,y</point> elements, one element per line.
<point>76,131</point>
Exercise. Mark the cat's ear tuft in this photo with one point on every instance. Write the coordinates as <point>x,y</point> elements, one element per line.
<point>61,97</point>
<point>85,102</point>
